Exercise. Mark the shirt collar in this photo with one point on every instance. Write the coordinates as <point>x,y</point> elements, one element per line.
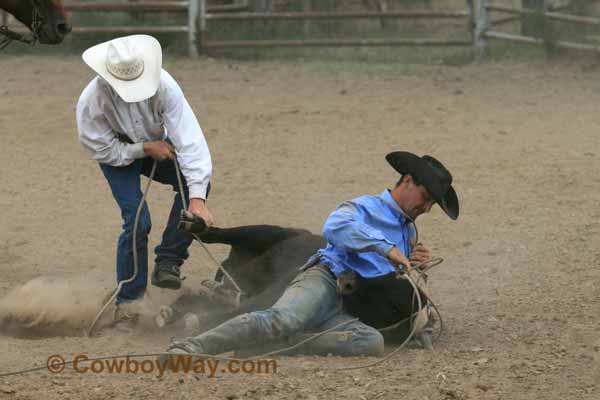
<point>387,198</point>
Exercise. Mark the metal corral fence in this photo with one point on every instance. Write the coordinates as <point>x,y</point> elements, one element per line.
<point>483,27</point>
<point>477,16</point>
<point>206,16</point>
<point>190,8</point>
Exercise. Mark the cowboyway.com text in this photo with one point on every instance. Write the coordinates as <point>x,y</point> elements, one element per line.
<point>175,364</point>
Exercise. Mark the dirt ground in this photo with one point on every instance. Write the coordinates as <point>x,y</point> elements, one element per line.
<point>518,290</point>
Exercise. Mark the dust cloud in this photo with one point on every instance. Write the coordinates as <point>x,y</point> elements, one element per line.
<point>45,307</point>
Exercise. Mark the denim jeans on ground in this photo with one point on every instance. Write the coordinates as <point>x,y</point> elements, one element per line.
<point>125,185</point>
<point>310,304</point>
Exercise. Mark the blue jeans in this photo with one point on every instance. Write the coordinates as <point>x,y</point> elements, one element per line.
<point>309,305</point>
<point>125,185</point>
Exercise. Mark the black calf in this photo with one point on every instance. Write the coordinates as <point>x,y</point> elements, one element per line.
<point>264,259</point>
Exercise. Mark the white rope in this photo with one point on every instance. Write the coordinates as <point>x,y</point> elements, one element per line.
<point>214,260</point>
<point>135,255</point>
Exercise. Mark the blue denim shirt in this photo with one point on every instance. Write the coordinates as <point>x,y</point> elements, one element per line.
<point>360,233</point>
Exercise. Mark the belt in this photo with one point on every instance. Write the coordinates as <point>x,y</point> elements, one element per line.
<point>346,283</point>
<point>328,269</point>
<point>314,261</point>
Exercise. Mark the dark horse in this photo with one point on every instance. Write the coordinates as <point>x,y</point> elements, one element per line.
<point>46,19</point>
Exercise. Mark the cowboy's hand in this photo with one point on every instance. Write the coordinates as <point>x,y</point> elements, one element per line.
<point>419,253</point>
<point>198,207</point>
<point>399,260</point>
<point>159,150</point>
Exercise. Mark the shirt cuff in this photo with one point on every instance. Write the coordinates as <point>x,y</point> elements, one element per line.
<point>198,191</point>
<point>384,248</point>
<point>137,150</point>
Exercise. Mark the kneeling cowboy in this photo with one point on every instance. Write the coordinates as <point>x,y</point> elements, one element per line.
<point>131,115</point>
<point>370,235</point>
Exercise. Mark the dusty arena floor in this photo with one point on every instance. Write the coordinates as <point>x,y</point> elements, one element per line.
<point>519,289</point>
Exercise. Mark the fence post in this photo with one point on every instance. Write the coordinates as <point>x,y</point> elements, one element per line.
<point>192,28</point>
<point>202,26</point>
<point>480,24</point>
<point>306,26</point>
<point>532,25</point>
<point>549,31</point>
<point>263,6</point>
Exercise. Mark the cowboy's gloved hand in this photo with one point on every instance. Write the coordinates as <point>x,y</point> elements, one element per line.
<point>420,253</point>
<point>198,207</point>
<point>398,260</point>
<point>159,150</point>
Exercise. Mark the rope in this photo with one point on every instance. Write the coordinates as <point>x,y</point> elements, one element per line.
<point>32,38</point>
<point>135,255</point>
<point>200,355</point>
<point>401,346</point>
<point>214,260</point>
<point>271,353</point>
<point>261,356</point>
<point>113,357</point>
<point>416,294</point>
<point>10,36</point>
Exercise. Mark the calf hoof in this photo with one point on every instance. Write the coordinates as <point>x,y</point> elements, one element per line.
<point>166,316</point>
<point>425,339</point>
<point>191,324</point>
<point>191,223</point>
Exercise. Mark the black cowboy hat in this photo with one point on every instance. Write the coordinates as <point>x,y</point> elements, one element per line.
<point>430,173</point>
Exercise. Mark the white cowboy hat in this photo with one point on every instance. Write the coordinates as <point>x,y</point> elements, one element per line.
<point>131,65</point>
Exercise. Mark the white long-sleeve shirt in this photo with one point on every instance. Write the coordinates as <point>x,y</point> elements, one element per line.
<point>101,113</point>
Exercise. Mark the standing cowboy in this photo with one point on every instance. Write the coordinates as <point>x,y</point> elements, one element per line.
<point>131,115</point>
<point>369,236</point>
